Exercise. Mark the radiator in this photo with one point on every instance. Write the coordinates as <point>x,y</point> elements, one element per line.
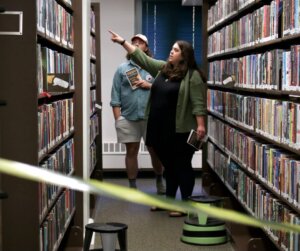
<point>119,148</point>
<point>113,156</point>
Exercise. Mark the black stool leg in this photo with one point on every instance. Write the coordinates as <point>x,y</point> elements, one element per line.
<point>87,240</point>
<point>122,237</point>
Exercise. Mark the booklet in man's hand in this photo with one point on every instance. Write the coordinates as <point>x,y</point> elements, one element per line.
<point>195,140</point>
<point>132,76</point>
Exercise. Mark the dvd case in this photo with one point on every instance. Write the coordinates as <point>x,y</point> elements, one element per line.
<point>195,140</point>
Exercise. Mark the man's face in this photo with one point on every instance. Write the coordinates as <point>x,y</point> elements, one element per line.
<point>139,43</point>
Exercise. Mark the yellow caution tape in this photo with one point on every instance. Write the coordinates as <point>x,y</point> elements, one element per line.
<point>133,195</point>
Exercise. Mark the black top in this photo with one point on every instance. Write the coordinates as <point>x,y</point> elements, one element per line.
<point>162,115</point>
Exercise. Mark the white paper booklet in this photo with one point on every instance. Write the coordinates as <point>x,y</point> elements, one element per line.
<point>132,76</point>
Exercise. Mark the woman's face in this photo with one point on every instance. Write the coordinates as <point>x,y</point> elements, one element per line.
<point>175,55</point>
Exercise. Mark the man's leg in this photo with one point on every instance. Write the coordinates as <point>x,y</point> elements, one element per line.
<point>131,162</point>
<point>158,169</point>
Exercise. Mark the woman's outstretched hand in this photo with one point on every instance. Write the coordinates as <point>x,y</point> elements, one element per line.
<point>116,38</point>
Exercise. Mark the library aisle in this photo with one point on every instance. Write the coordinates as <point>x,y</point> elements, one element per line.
<point>147,231</point>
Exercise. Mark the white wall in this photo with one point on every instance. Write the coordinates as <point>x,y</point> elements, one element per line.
<point>116,15</point>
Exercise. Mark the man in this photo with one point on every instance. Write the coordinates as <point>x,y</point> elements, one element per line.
<point>129,96</point>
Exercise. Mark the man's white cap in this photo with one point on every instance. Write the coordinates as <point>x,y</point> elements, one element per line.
<point>140,36</point>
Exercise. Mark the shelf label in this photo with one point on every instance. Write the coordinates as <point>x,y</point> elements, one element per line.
<point>11,23</point>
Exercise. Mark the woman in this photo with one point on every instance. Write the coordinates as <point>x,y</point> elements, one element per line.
<point>176,106</point>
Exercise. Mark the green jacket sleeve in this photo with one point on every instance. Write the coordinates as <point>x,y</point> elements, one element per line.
<point>198,94</point>
<point>147,63</point>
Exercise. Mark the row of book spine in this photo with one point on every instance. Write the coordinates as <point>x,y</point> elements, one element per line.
<point>93,100</point>
<point>93,156</point>
<point>54,226</point>
<point>55,22</point>
<point>55,29</point>
<point>51,62</point>
<point>290,69</point>
<point>223,9</point>
<point>94,127</point>
<point>92,20</point>
<point>92,47</point>
<point>55,122</point>
<point>258,201</point>
<point>240,109</point>
<point>275,119</point>
<point>290,17</point>
<point>94,118</point>
<point>258,27</point>
<point>274,167</point>
<point>265,206</point>
<point>290,11</point>
<point>93,74</point>
<point>62,161</point>
<point>220,11</point>
<point>273,70</point>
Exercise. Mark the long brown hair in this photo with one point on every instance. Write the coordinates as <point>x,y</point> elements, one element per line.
<point>188,61</point>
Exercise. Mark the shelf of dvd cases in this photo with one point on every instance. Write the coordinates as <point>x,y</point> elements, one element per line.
<point>95,90</point>
<point>243,138</point>
<point>243,185</point>
<point>39,122</point>
<point>272,24</point>
<point>246,150</point>
<point>259,45</point>
<point>245,207</point>
<point>253,100</point>
<point>225,12</point>
<point>259,92</point>
<point>270,126</point>
<point>248,167</point>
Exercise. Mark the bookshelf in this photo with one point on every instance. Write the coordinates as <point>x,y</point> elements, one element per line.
<point>95,170</point>
<point>42,123</point>
<point>3,195</point>
<point>95,89</point>
<point>254,143</point>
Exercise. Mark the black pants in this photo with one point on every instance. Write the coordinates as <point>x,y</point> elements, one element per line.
<point>176,157</point>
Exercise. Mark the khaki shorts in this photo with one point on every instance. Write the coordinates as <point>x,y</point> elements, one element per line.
<point>130,131</point>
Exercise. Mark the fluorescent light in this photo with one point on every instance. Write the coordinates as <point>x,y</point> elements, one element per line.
<point>192,2</point>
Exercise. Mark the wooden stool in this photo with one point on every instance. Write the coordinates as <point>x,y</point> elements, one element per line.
<point>109,233</point>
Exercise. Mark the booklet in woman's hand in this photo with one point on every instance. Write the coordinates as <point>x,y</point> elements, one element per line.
<point>195,140</point>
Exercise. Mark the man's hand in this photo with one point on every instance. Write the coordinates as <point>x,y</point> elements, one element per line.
<point>142,84</point>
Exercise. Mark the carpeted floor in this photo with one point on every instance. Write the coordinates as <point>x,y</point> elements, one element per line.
<point>147,231</point>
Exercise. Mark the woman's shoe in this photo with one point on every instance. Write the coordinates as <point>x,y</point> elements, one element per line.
<point>176,214</point>
<point>155,209</point>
